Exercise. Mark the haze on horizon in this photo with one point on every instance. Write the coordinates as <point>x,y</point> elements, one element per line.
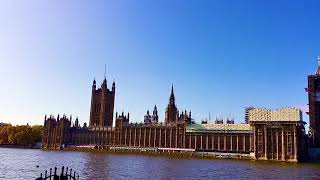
<point>221,56</point>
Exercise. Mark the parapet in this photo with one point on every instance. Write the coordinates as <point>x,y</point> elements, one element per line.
<point>283,114</point>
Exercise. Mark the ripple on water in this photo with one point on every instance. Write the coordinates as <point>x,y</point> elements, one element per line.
<point>22,164</point>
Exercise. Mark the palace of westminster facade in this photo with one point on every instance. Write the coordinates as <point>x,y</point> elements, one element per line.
<point>265,135</point>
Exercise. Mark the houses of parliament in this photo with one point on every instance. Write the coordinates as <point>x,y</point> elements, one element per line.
<point>266,134</point>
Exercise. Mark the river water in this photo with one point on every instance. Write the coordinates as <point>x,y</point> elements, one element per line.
<point>28,164</point>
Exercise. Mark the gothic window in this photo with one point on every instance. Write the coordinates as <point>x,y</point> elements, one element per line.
<point>260,141</point>
<point>289,139</point>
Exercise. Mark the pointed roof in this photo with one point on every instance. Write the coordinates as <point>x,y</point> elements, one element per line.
<point>172,92</point>
<point>105,74</point>
<point>172,99</point>
<point>172,89</point>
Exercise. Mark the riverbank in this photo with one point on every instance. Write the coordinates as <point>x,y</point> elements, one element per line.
<point>173,154</point>
<point>17,146</point>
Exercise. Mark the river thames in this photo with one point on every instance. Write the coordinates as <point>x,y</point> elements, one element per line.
<point>28,164</point>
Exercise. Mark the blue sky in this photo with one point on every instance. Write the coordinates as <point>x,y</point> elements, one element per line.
<point>221,56</point>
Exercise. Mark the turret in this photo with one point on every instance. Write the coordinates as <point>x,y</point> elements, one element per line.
<point>104,85</point>
<point>147,118</point>
<point>94,84</point>
<point>155,116</point>
<point>122,120</point>
<point>77,122</point>
<point>45,119</point>
<point>155,110</point>
<point>113,86</point>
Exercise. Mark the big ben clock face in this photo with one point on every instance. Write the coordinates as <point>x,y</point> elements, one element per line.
<point>318,96</point>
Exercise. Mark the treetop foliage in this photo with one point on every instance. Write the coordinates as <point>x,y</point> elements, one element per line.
<point>20,135</point>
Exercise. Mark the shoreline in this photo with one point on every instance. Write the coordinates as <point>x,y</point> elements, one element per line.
<point>178,155</point>
<point>175,155</point>
<point>17,146</point>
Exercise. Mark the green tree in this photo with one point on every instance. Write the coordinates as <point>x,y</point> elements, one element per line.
<point>20,135</point>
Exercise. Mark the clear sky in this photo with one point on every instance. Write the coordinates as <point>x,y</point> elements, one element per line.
<point>221,56</point>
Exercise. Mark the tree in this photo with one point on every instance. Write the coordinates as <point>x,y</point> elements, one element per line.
<point>20,135</point>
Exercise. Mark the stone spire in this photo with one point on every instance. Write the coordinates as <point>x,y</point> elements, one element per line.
<point>114,86</point>
<point>172,98</point>
<point>171,111</point>
<point>105,76</point>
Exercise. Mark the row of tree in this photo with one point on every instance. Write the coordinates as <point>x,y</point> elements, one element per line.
<point>20,135</point>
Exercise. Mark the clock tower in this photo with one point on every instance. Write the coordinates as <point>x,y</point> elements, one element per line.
<point>314,107</point>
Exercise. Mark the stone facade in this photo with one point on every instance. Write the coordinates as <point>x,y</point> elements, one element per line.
<point>314,108</point>
<point>56,132</point>
<point>268,135</point>
<point>102,105</point>
<point>278,134</point>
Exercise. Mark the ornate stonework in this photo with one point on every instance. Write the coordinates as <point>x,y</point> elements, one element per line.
<point>270,135</point>
<point>102,105</point>
<point>284,114</point>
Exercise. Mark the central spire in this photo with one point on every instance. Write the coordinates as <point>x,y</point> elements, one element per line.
<point>172,98</point>
<point>172,89</point>
<point>105,71</point>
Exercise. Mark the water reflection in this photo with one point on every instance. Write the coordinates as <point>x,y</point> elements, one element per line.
<point>96,166</point>
<point>22,164</point>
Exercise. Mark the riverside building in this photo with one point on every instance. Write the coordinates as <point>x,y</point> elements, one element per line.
<point>267,135</point>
